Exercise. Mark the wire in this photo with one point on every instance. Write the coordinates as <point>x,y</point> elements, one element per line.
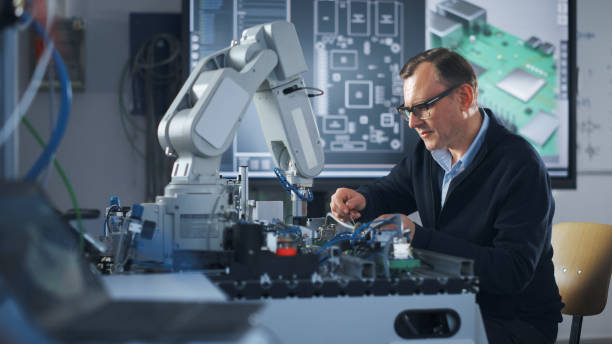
<point>62,174</point>
<point>155,83</point>
<point>288,187</point>
<point>28,96</point>
<point>344,224</point>
<point>124,114</point>
<point>50,10</point>
<point>354,236</point>
<point>172,42</point>
<point>296,88</point>
<point>50,81</point>
<point>122,107</point>
<point>323,260</point>
<point>64,114</point>
<point>312,95</point>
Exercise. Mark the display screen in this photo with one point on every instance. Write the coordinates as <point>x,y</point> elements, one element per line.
<point>522,52</point>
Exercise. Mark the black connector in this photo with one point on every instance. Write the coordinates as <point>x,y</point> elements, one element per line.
<point>294,88</point>
<point>290,89</point>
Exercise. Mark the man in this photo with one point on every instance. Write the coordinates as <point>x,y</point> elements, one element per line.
<point>481,192</point>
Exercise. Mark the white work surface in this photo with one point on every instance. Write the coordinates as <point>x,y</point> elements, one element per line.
<point>191,286</point>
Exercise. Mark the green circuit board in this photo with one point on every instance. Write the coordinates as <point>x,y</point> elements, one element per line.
<point>495,54</point>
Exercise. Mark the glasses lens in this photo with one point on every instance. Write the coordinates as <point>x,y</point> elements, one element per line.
<point>403,112</point>
<point>421,112</point>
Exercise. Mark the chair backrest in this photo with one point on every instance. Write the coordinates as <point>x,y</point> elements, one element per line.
<point>583,264</point>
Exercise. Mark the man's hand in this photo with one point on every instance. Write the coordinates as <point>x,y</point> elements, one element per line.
<point>346,204</point>
<point>406,223</point>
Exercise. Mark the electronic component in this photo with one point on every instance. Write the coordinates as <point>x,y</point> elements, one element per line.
<point>533,42</point>
<point>472,17</point>
<point>540,127</point>
<point>401,248</point>
<point>357,267</point>
<point>521,84</point>
<point>444,31</point>
<point>547,48</point>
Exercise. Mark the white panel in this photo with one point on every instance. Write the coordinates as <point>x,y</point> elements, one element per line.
<point>199,89</point>
<point>268,210</point>
<point>303,135</point>
<point>222,112</point>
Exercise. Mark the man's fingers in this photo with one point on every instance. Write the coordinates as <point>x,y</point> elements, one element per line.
<point>338,211</point>
<point>346,203</point>
<point>349,204</point>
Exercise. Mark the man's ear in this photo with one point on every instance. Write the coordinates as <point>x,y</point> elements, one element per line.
<point>466,96</point>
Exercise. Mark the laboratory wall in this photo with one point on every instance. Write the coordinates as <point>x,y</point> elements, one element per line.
<point>100,162</point>
<point>95,152</point>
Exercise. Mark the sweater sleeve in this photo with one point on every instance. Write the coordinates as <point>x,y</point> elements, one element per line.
<point>390,194</point>
<point>523,219</point>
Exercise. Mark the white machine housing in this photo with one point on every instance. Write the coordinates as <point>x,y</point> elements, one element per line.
<point>202,121</point>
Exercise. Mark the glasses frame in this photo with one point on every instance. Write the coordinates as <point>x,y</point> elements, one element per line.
<point>407,111</point>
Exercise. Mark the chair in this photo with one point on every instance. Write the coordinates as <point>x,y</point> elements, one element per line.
<point>583,264</point>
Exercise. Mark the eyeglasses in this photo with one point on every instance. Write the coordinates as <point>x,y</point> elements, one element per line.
<point>421,110</point>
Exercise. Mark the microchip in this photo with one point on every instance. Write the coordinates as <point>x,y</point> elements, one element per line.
<point>478,70</point>
<point>534,42</point>
<point>521,84</point>
<point>547,48</point>
<point>540,128</point>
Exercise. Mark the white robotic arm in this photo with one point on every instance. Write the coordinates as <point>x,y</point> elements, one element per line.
<point>200,125</point>
<point>202,120</point>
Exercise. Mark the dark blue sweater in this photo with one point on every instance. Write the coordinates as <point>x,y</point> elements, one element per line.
<point>498,212</point>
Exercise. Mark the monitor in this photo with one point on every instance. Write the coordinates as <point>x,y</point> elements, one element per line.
<point>523,53</point>
<point>355,49</point>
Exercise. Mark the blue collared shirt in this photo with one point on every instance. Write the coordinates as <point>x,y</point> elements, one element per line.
<point>444,159</point>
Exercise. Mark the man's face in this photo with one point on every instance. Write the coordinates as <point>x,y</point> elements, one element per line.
<point>442,128</point>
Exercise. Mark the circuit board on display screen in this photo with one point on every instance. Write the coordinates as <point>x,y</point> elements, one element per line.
<point>517,77</point>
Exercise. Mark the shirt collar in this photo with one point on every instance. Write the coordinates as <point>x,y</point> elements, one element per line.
<point>443,156</point>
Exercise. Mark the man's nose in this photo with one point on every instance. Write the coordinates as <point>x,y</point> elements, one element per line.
<point>414,122</point>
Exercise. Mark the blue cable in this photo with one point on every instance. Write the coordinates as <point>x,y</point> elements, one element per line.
<point>64,112</point>
<point>343,236</point>
<point>323,260</point>
<point>289,230</point>
<point>288,187</point>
